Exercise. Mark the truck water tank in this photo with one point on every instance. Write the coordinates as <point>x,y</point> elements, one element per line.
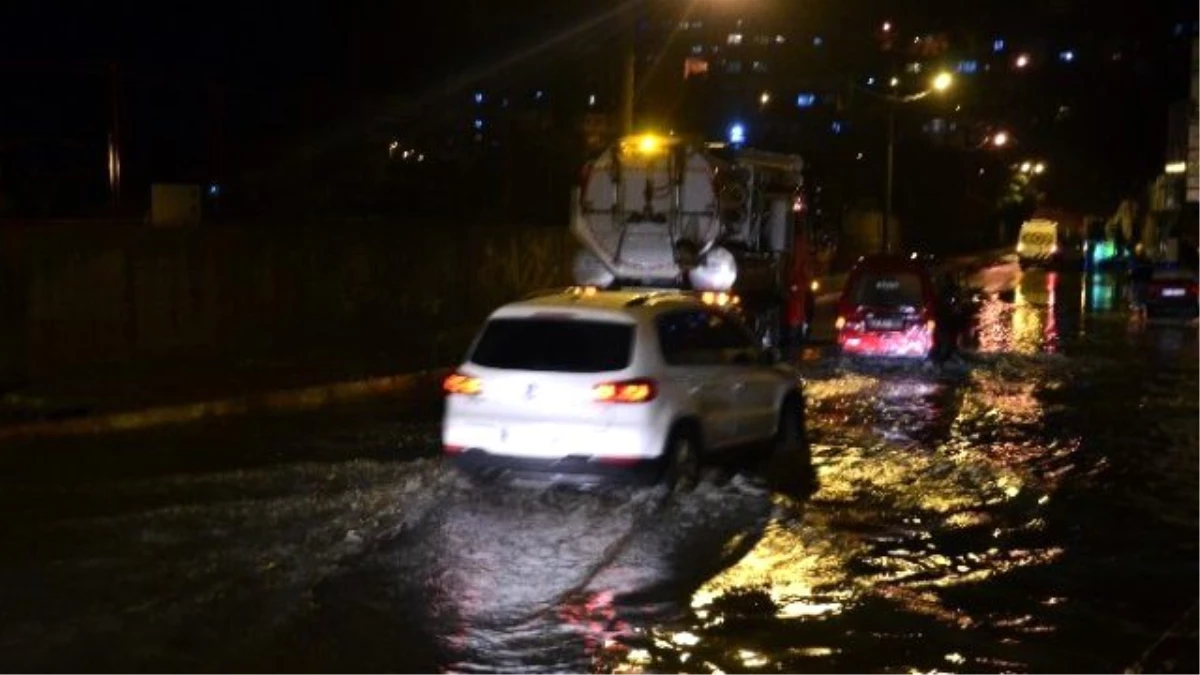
<point>589,271</point>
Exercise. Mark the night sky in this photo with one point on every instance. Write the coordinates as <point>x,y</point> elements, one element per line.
<point>403,47</point>
<point>269,78</point>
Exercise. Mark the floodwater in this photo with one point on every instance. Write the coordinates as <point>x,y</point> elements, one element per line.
<point>1030,508</point>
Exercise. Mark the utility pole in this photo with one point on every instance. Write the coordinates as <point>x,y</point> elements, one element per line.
<point>628,77</point>
<point>884,245</point>
<point>114,138</point>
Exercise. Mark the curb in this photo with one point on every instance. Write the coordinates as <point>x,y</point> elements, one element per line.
<point>305,398</point>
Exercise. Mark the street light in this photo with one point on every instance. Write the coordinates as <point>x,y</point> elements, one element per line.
<point>1000,139</point>
<point>1033,166</point>
<point>940,83</point>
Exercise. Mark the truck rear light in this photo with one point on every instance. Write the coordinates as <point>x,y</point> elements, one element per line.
<point>719,299</point>
<point>457,383</point>
<point>628,391</point>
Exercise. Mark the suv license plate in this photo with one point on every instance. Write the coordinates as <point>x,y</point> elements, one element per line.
<point>885,324</point>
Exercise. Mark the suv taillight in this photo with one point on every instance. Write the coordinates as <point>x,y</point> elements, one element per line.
<point>457,383</point>
<point>627,391</point>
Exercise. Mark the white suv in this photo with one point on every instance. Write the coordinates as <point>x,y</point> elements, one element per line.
<point>590,383</point>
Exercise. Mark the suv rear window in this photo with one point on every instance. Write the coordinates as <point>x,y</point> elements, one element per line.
<point>889,290</point>
<point>560,345</point>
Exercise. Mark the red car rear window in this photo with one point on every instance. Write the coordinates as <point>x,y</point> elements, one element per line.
<point>888,290</point>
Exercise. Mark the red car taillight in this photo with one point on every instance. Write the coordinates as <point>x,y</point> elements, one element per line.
<point>628,391</point>
<point>852,315</point>
<point>928,320</point>
<point>457,383</point>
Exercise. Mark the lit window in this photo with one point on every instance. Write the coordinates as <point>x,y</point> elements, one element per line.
<point>967,67</point>
<point>697,49</point>
<point>818,41</point>
<point>733,67</point>
<point>837,127</point>
<point>478,97</point>
<point>478,124</point>
<point>913,68</point>
<point>805,100</point>
<point>1066,56</point>
<point>997,45</point>
<point>779,39</point>
<point>734,39</point>
<point>759,67</point>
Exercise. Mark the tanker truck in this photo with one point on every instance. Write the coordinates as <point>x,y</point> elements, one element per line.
<point>725,222</point>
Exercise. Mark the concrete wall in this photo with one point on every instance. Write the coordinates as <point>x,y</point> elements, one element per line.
<point>76,295</point>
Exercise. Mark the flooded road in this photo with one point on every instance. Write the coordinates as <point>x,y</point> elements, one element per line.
<point>1031,508</point>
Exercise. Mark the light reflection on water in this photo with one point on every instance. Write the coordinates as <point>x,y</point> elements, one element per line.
<point>875,535</point>
<point>908,525</point>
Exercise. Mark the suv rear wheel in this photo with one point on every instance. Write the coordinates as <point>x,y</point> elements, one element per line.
<point>682,455</point>
<point>790,460</point>
<point>789,433</point>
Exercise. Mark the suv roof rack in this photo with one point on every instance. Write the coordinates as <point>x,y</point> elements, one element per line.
<point>546,292</point>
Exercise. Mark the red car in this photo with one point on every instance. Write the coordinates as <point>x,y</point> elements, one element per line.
<point>889,307</point>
